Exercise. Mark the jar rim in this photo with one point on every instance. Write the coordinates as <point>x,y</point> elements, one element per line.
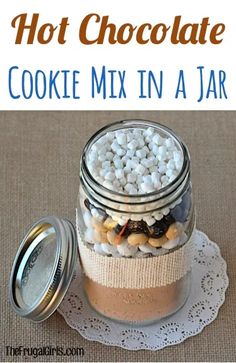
<point>138,123</point>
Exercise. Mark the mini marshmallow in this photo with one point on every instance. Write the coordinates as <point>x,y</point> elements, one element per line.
<point>137,133</point>
<point>94,147</point>
<point>162,169</point>
<point>158,215</point>
<point>169,173</point>
<point>135,159</point>
<point>123,181</point>
<point>115,217</point>
<point>162,152</point>
<point>129,188</point>
<point>131,164</point>
<point>126,250</point>
<point>141,153</point>
<point>141,142</point>
<point>127,170</point>
<point>93,155</point>
<point>155,176</point>
<point>171,244</point>
<point>156,139</point>
<point>177,156</point>
<point>136,217</point>
<point>118,163</point>
<point>122,221</point>
<point>149,220</point>
<point>146,149</point>
<point>109,249</point>
<point>89,235</point>
<point>98,249</point>
<point>147,179</point>
<point>147,248</point>
<point>102,157</point>
<point>152,169</point>
<point>150,131</point>
<point>109,155</point>
<point>115,146</point>
<point>110,136</point>
<point>140,169</point>
<point>87,219</point>
<point>119,173</point>
<point>150,162</point>
<point>179,165</point>
<point>147,187</point>
<point>120,152</point>
<point>125,158</point>
<point>121,138</point>
<point>129,136</point>
<point>132,144</point>
<point>133,191</point>
<point>130,153</point>
<point>171,164</point>
<point>131,178</point>
<point>150,145</point>
<point>102,172</point>
<point>155,150</point>
<point>170,143</point>
<point>164,179</point>
<point>102,150</point>
<point>110,176</point>
<point>106,164</point>
<point>165,211</point>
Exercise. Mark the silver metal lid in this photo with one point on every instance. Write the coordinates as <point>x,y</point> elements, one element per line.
<point>43,268</point>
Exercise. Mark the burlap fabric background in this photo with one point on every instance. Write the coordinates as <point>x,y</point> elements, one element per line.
<point>39,163</point>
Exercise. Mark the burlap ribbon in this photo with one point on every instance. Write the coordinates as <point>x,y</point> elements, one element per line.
<point>136,273</point>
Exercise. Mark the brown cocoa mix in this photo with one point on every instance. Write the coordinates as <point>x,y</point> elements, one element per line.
<point>137,305</point>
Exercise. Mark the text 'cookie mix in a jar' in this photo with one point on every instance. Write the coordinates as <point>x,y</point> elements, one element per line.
<point>135,220</point>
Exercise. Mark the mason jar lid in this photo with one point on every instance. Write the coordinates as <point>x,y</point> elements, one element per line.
<point>43,268</point>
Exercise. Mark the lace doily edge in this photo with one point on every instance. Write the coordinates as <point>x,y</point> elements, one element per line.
<point>167,344</point>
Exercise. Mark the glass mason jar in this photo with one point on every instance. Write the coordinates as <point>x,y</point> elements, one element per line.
<point>124,278</point>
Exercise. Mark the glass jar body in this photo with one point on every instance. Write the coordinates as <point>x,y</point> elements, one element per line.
<point>138,282</point>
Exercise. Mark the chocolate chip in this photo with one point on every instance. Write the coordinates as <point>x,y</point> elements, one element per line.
<point>158,229</point>
<point>137,227</point>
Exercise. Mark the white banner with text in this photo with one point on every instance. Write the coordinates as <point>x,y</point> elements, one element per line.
<point>119,55</point>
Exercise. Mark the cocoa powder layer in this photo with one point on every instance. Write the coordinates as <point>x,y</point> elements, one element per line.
<point>137,305</point>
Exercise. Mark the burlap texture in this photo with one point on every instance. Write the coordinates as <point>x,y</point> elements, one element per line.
<point>39,161</point>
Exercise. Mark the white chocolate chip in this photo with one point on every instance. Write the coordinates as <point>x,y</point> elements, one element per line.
<point>171,244</point>
<point>126,250</point>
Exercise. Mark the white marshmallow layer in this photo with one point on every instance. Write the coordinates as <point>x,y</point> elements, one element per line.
<point>134,161</point>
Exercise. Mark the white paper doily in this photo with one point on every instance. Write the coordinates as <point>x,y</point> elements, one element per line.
<point>209,283</point>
